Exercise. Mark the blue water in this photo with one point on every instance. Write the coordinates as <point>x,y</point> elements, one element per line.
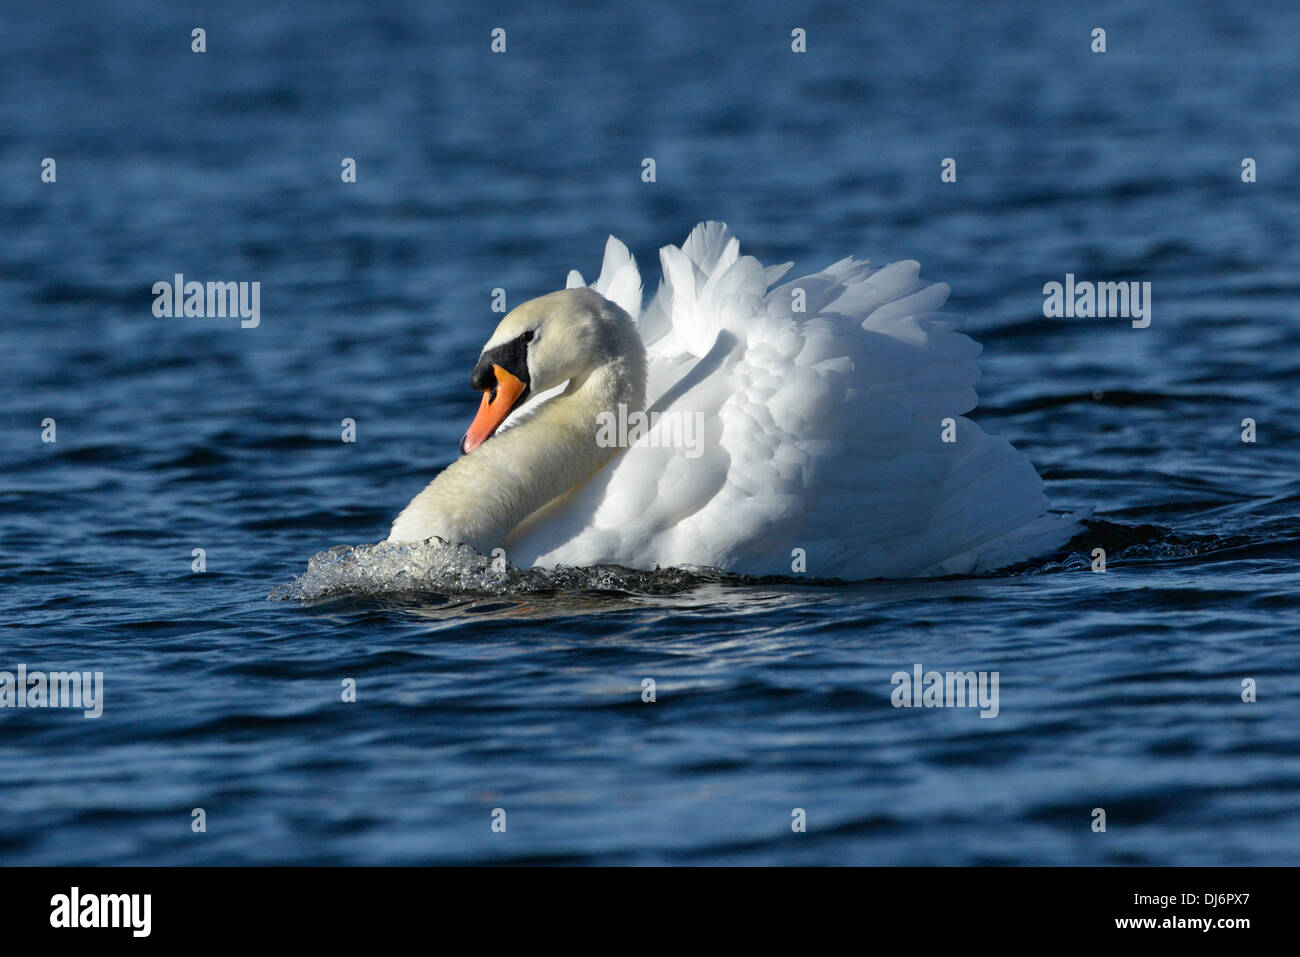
<point>1119,690</point>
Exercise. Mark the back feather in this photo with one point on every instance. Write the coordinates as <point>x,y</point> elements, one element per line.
<point>822,403</point>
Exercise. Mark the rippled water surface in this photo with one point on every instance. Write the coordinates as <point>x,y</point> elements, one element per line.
<point>475,171</point>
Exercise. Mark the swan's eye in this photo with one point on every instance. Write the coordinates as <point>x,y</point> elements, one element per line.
<point>527,336</point>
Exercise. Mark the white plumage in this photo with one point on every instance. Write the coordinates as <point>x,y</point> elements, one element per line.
<point>822,430</point>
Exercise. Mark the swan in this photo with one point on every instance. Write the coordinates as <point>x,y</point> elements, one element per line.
<point>830,436</point>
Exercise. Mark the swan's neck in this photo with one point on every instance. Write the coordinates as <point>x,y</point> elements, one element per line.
<point>483,496</point>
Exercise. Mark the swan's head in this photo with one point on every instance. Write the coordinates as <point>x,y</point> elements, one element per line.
<point>545,342</point>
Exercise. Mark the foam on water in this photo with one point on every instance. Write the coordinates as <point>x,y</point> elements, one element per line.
<point>439,567</point>
<point>436,566</point>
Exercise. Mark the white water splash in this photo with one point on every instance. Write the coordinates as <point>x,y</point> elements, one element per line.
<point>437,566</point>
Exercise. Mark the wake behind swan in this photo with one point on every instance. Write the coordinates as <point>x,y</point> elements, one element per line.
<point>833,442</point>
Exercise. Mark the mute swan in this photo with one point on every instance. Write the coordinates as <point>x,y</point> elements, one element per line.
<point>824,404</point>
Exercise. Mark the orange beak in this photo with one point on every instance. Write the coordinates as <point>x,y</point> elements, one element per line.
<point>496,405</point>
